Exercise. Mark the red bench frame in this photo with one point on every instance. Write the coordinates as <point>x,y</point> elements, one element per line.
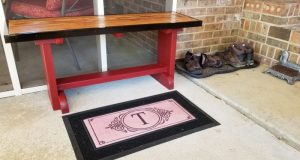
<point>163,71</point>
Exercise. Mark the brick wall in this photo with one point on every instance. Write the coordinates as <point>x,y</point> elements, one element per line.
<point>221,24</point>
<point>269,25</point>
<point>148,39</point>
<point>272,26</point>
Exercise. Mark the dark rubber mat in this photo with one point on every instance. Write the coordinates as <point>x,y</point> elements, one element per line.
<point>209,71</point>
<point>120,129</point>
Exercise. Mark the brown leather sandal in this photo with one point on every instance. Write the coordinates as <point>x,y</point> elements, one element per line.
<point>230,58</point>
<point>210,61</point>
<point>237,56</point>
<point>192,64</point>
<point>249,51</point>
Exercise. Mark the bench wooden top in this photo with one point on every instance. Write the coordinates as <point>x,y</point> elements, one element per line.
<point>60,27</point>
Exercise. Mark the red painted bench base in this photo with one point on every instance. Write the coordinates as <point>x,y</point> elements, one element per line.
<point>163,71</point>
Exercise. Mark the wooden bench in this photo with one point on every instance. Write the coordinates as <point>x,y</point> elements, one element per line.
<point>47,31</point>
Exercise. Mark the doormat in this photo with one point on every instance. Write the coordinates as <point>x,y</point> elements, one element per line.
<point>117,130</point>
<point>210,71</point>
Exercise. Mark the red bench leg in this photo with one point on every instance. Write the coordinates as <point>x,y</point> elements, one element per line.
<point>166,51</point>
<point>58,99</point>
<point>63,102</point>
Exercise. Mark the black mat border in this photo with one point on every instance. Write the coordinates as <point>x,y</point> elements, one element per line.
<point>84,149</point>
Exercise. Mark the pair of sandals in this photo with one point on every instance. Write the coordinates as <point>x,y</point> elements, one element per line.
<point>238,55</point>
<point>195,64</point>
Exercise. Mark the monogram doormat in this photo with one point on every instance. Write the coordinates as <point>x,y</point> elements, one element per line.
<point>121,129</point>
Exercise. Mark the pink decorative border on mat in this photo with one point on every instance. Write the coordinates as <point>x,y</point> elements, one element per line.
<point>125,124</point>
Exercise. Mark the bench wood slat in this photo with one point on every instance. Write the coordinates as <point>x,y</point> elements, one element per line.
<point>60,27</point>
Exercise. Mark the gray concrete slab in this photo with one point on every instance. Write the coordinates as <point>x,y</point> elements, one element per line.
<point>29,129</point>
<point>270,102</point>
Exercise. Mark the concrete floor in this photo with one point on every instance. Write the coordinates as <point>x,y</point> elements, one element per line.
<point>29,129</point>
<point>270,102</point>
